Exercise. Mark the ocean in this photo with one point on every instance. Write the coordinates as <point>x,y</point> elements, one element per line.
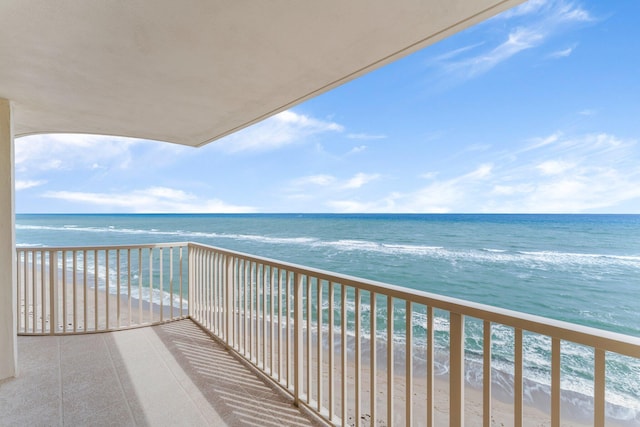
<point>583,269</point>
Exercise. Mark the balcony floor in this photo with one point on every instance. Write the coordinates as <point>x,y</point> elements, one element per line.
<point>168,375</point>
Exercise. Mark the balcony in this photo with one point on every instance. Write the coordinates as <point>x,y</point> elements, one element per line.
<point>170,374</point>
<point>349,351</point>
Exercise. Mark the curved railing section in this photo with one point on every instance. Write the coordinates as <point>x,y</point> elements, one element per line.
<point>360,352</point>
<point>352,351</point>
<point>97,289</point>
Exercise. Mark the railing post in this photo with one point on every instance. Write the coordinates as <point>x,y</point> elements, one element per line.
<point>298,364</point>
<point>228,262</point>
<point>456,370</point>
<point>190,277</point>
<point>53,294</point>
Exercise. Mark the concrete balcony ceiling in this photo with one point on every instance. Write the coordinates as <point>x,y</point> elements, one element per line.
<point>190,72</point>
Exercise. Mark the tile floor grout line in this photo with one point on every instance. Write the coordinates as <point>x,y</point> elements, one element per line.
<point>117,375</point>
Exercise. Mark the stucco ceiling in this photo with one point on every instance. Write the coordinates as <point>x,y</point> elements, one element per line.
<point>192,71</point>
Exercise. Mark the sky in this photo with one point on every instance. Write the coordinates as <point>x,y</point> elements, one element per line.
<point>536,110</point>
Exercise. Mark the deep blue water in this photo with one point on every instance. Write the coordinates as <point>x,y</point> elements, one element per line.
<point>583,269</point>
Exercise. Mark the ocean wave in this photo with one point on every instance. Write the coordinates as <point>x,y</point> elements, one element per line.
<point>481,255</point>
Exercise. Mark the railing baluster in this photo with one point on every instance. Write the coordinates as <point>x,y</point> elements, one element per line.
<point>264,317</point>
<point>95,290</point>
<point>486,374</point>
<point>75,290</point>
<point>151,285</point>
<point>517,380</point>
<point>599,379</point>
<point>456,374</point>
<point>140,286</point>
<point>85,290</point>
<point>331,369</point>
<point>171,282</point>
<point>19,289</point>
<point>129,313</point>
<point>25,288</point>
<point>358,357</point>
<point>320,380</point>
<point>409,363</point>
<point>280,343</point>
<point>343,370</point>
<point>118,285</point>
<point>53,292</point>
<point>297,336</point>
<point>181,272</point>
<point>373,358</point>
<point>429,369</point>
<point>253,314</point>
<point>308,360</point>
<point>271,322</point>
<point>34,294</point>
<point>64,291</point>
<point>43,294</point>
<point>555,382</point>
<point>106,287</point>
<point>245,283</point>
<point>390,367</point>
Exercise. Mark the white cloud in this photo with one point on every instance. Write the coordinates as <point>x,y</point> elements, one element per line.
<point>71,151</point>
<point>541,142</point>
<point>554,167</point>
<point>23,185</point>
<point>526,8</point>
<point>529,26</point>
<point>322,180</point>
<point>276,132</point>
<point>360,179</point>
<point>332,183</point>
<point>153,199</point>
<point>365,136</point>
<point>357,149</point>
<point>555,174</point>
<point>562,53</point>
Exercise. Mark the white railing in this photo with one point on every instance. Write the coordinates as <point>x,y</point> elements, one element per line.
<point>350,350</point>
<point>360,352</point>
<point>102,288</point>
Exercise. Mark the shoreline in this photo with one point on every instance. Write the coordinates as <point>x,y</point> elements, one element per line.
<point>502,413</point>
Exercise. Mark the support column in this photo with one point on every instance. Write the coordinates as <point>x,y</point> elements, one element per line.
<point>8,331</point>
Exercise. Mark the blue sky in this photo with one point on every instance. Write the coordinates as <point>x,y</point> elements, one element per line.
<point>536,110</point>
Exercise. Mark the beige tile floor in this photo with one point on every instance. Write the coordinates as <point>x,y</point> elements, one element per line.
<point>168,375</point>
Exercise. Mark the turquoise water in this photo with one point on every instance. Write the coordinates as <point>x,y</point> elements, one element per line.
<point>583,269</point>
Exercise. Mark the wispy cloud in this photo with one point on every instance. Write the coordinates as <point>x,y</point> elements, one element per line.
<point>358,149</point>
<point>557,173</point>
<point>527,26</point>
<point>562,53</point>
<point>321,180</point>
<point>360,179</point>
<point>276,132</point>
<point>23,185</point>
<point>72,151</point>
<point>324,186</point>
<point>152,199</point>
<point>365,136</point>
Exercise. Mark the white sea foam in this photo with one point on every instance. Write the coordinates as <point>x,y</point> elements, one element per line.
<point>489,255</point>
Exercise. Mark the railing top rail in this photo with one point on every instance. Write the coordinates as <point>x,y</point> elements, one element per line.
<point>585,335</point>
<point>103,247</point>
